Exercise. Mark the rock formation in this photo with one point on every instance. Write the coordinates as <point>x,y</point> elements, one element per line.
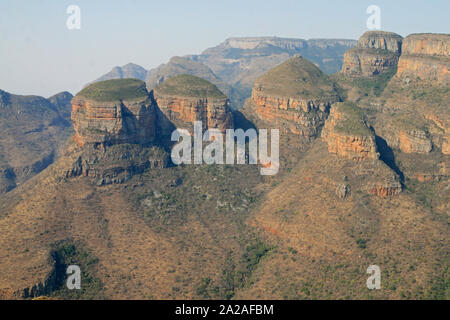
<point>112,112</point>
<point>426,56</point>
<point>419,96</point>
<point>414,141</point>
<point>115,128</point>
<point>377,52</point>
<point>295,97</point>
<point>184,99</point>
<point>389,188</point>
<point>115,164</point>
<point>347,135</point>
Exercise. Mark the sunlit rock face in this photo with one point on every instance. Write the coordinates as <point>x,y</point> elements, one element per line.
<point>113,112</point>
<point>294,97</point>
<point>184,99</point>
<point>377,52</point>
<point>347,135</point>
<point>426,56</point>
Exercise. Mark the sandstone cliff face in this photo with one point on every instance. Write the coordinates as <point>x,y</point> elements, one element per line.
<point>377,52</point>
<point>381,40</point>
<point>115,164</point>
<point>442,121</point>
<point>347,135</point>
<point>427,44</point>
<point>115,132</point>
<point>426,56</point>
<point>386,189</point>
<point>351,147</point>
<point>414,141</point>
<point>294,97</point>
<point>183,111</point>
<point>183,99</point>
<point>299,116</point>
<point>114,121</point>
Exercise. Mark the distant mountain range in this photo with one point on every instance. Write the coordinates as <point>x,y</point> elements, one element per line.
<point>129,70</point>
<point>235,64</point>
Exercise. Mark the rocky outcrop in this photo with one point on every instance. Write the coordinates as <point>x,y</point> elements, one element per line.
<point>429,44</point>
<point>351,147</point>
<point>342,190</point>
<point>381,40</point>
<point>425,56</point>
<point>295,97</point>
<point>377,52</point>
<point>115,124</point>
<point>112,112</point>
<point>390,188</point>
<point>406,138</point>
<point>442,121</point>
<point>183,111</point>
<point>117,163</point>
<point>301,117</point>
<point>184,99</point>
<point>347,135</point>
<point>414,141</point>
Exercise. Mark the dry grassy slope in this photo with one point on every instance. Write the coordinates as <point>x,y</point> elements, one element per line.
<point>153,237</point>
<point>316,235</point>
<point>165,233</point>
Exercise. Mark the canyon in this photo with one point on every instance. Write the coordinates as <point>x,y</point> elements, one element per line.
<point>363,179</point>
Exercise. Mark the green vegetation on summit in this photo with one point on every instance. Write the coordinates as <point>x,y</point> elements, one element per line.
<point>297,77</point>
<point>189,86</point>
<point>353,122</point>
<point>116,89</point>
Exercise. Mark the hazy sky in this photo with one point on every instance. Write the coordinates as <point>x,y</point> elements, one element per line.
<point>39,55</point>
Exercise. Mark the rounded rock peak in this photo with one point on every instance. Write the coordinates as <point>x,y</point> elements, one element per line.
<point>383,40</point>
<point>185,85</point>
<point>296,78</point>
<point>115,90</point>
